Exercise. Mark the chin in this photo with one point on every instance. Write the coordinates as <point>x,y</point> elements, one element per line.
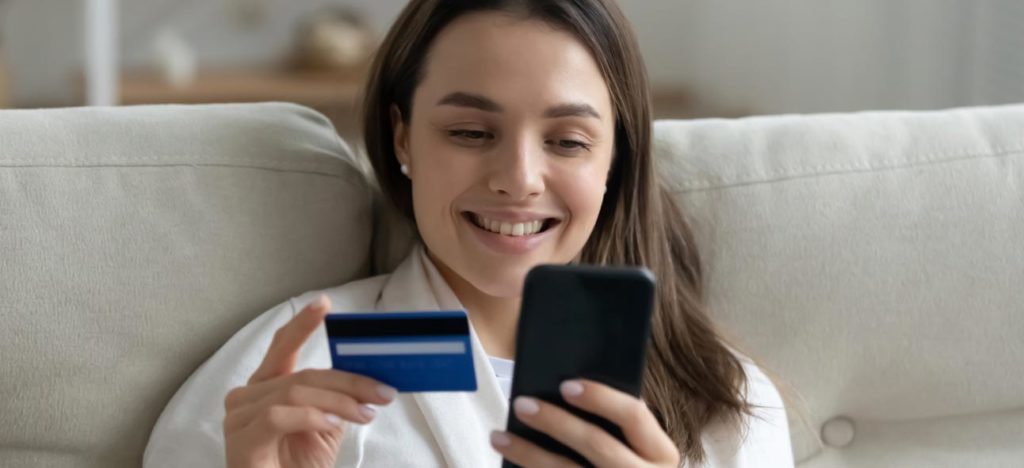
<point>507,283</point>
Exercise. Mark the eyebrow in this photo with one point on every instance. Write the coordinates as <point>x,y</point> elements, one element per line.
<point>572,110</point>
<point>476,101</point>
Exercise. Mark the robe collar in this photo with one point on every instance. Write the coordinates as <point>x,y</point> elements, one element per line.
<point>461,422</point>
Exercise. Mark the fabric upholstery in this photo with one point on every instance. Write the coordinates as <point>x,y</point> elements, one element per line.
<point>135,241</point>
<point>873,262</point>
<point>870,261</point>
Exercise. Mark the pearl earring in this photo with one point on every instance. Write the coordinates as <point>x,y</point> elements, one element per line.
<point>405,170</point>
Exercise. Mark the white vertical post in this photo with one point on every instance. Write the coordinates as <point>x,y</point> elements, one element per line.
<point>101,60</point>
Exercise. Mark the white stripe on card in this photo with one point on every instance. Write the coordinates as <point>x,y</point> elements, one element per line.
<point>392,348</point>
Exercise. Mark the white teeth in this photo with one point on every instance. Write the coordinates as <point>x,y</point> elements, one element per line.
<point>509,229</point>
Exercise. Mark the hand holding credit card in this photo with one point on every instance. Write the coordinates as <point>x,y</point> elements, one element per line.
<point>410,351</point>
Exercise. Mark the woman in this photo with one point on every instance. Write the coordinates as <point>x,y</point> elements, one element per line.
<point>513,133</point>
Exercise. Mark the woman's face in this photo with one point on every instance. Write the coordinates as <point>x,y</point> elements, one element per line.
<point>509,146</point>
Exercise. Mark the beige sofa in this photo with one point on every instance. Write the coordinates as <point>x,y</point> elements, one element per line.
<point>872,262</point>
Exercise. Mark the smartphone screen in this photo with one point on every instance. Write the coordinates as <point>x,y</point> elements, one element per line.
<point>580,322</point>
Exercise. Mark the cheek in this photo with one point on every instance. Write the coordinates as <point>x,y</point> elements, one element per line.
<point>433,193</point>
<point>583,197</point>
<point>440,178</point>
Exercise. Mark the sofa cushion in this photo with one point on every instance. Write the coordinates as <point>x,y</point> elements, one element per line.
<point>135,241</point>
<point>874,263</point>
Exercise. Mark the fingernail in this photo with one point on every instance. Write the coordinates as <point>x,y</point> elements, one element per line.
<point>367,411</point>
<point>386,392</point>
<point>526,405</point>
<point>333,420</point>
<point>321,302</point>
<point>571,388</point>
<point>500,439</point>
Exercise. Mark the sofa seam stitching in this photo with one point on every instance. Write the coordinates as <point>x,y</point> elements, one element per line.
<point>802,172</point>
<point>339,174</point>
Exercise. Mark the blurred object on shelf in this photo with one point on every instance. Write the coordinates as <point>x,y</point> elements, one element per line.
<point>334,39</point>
<point>313,89</point>
<point>335,94</point>
<point>681,103</point>
<point>174,58</point>
<point>4,90</point>
<point>4,85</point>
<point>247,14</point>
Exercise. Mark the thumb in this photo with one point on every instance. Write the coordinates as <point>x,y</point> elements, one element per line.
<point>284,348</point>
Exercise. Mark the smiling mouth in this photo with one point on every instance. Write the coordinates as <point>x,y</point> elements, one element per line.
<point>519,229</point>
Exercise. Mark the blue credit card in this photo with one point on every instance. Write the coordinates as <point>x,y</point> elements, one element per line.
<point>411,351</point>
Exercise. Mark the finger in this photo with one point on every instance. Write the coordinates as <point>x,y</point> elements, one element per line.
<point>589,440</point>
<point>363,389</point>
<point>636,420</point>
<point>283,352</point>
<point>341,405</point>
<point>525,453</point>
<point>281,420</point>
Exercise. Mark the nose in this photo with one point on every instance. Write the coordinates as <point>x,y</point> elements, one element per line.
<point>518,171</point>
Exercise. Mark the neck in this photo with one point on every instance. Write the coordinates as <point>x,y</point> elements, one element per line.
<point>494,319</point>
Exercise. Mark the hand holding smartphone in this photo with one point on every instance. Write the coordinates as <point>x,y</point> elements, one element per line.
<point>580,322</point>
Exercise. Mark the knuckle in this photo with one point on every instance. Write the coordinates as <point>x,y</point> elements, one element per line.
<point>275,415</point>
<point>597,442</point>
<point>636,413</point>
<point>233,398</point>
<point>231,421</point>
<point>310,416</point>
<point>355,385</point>
<point>344,400</point>
<point>345,407</point>
<point>306,376</point>
<point>294,395</point>
<point>279,335</point>
<point>366,386</point>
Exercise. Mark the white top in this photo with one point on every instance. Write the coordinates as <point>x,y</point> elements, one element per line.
<point>416,429</point>
<point>503,371</point>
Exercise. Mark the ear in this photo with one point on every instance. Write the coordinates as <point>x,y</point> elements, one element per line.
<point>400,133</point>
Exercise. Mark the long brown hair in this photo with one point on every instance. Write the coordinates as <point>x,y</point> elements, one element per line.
<point>692,378</point>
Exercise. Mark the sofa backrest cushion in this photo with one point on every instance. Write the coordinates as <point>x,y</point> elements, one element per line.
<point>874,262</point>
<point>134,241</point>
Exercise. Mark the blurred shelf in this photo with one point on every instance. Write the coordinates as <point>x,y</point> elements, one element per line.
<point>4,87</point>
<point>680,103</point>
<point>315,89</point>
<point>334,94</point>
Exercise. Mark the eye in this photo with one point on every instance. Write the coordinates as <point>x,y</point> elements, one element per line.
<point>470,135</point>
<point>570,146</point>
<point>573,144</point>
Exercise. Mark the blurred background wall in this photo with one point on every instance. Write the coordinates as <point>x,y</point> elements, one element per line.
<point>725,57</point>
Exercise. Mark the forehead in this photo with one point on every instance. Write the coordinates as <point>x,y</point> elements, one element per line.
<point>520,63</point>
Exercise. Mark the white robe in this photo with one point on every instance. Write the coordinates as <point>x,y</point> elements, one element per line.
<point>417,429</point>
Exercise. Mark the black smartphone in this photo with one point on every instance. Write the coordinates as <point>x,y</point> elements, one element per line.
<point>580,321</point>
